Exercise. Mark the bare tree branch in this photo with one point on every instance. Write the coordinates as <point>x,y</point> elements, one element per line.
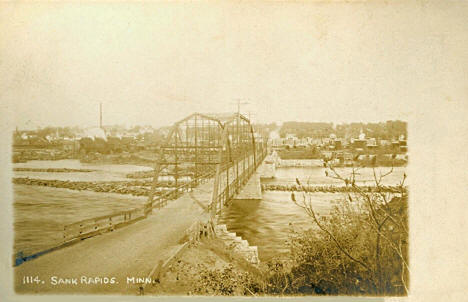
<point>311,213</point>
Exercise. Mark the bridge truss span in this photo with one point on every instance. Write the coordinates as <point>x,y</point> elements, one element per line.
<point>219,150</point>
<point>200,147</point>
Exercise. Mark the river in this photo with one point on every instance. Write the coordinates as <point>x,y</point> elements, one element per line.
<point>41,212</point>
<point>267,223</point>
<point>317,176</point>
<point>105,172</point>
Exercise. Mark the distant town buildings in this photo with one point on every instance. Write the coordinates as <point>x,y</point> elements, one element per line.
<point>343,143</point>
<point>53,143</point>
<point>343,150</point>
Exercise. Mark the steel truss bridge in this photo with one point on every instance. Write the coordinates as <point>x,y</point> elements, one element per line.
<point>219,150</point>
<point>203,146</point>
<point>208,157</point>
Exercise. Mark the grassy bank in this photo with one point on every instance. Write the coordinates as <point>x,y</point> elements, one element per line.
<point>346,259</point>
<point>207,267</point>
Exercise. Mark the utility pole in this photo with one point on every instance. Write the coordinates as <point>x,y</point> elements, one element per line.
<point>250,115</point>
<point>238,117</point>
<point>100,115</point>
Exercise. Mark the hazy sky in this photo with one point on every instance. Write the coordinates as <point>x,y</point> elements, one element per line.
<point>156,63</point>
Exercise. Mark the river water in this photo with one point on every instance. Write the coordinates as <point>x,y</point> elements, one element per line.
<point>107,172</point>
<point>267,223</point>
<point>317,176</point>
<point>41,212</point>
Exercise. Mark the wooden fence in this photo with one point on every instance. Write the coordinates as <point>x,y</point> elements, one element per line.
<point>97,225</point>
<point>94,226</point>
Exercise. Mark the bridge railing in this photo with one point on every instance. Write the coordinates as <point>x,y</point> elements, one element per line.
<point>97,225</point>
<point>162,200</point>
<point>93,226</point>
<point>232,188</point>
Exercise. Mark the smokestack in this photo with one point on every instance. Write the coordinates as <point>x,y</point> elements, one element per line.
<point>100,115</point>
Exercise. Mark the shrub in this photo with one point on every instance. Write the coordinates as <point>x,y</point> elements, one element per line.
<point>226,282</point>
<point>361,248</point>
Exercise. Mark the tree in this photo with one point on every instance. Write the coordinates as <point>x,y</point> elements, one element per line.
<point>361,248</point>
<point>364,242</point>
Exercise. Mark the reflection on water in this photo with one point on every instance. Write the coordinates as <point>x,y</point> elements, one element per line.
<point>41,212</point>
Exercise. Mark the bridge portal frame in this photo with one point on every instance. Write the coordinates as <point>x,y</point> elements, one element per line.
<point>203,146</point>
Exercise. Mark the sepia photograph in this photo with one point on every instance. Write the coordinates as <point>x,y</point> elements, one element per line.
<point>229,149</point>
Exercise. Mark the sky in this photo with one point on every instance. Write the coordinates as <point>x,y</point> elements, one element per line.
<point>156,63</point>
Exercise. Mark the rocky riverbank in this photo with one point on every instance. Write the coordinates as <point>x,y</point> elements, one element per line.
<point>133,187</point>
<point>327,189</point>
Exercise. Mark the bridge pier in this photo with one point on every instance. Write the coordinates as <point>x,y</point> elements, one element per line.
<point>252,189</point>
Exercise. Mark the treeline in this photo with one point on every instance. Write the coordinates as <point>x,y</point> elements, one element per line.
<point>306,129</point>
<point>383,130</point>
<point>62,131</point>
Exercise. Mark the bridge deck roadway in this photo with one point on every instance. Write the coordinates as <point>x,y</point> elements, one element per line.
<point>131,251</point>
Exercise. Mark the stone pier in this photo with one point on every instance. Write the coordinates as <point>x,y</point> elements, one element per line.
<point>252,190</point>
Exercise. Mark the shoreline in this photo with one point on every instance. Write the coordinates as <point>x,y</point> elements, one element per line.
<point>328,188</point>
<point>132,187</point>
